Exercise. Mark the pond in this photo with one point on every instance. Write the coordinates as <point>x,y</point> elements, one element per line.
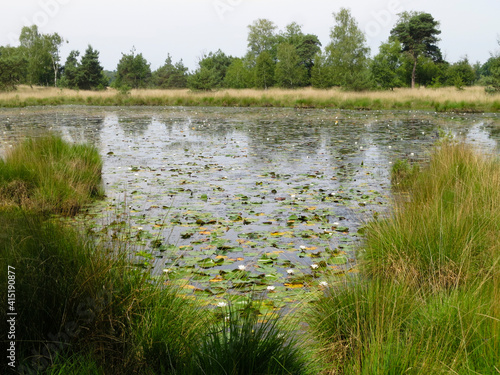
<point>232,200</point>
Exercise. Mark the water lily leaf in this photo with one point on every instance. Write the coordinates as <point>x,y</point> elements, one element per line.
<point>294,285</point>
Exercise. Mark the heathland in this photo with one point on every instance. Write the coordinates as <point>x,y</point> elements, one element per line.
<point>449,99</point>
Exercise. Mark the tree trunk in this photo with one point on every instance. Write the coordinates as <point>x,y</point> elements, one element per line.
<point>413,72</point>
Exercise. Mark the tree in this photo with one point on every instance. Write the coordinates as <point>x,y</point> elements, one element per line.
<point>262,37</point>
<point>90,72</point>
<point>321,72</point>
<point>170,75</point>
<point>347,51</point>
<point>461,74</point>
<point>12,67</point>
<point>218,63</point>
<point>264,70</point>
<point>289,73</point>
<point>132,71</point>
<point>85,75</point>
<point>238,75</point>
<point>386,65</point>
<point>203,78</point>
<point>417,33</point>
<point>307,49</point>
<point>52,43</point>
<point>41,52</point>
<point>306,46</point>
<point>70,71</point>
<point>492,81</point>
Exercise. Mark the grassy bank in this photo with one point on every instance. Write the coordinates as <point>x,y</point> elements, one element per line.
<point>49,175</point>
<point>429,301</point>
<point>471,99</point>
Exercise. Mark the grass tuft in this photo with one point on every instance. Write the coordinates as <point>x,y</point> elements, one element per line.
<point>49,175</point>
<point>429,299</point>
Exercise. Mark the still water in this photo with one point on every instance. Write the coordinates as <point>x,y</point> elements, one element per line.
<point>230,199</point>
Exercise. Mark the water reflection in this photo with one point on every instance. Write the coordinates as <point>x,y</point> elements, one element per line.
<point>246,182</point>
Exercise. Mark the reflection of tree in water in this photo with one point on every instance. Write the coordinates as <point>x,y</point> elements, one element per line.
<point>75,126</point>
<point>218,127</point>
<point>267,137</point>
<point>134,125</point>
<point>82,129</point>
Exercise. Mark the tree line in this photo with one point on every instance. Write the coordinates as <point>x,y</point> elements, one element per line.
<point>288,58</point>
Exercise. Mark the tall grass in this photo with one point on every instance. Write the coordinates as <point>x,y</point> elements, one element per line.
<point>244,343</point>
<point>471,99</point>
<point>429,299</point>
<point>50,175</point>
<point>83,306</point>
<point>447,234</point>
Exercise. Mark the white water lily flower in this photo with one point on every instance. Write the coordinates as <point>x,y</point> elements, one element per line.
<point>290,271</point>
<point>222,304</point>
<point>167,270</point>
<point>139,228</point>
<point>242,267</point>
<point>314,266</point>
<point>323,283</point>
<point>336,224</point>
<point>271,287</point>
<point>302,247</point>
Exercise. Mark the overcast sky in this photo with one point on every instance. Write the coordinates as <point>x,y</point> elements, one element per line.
<point>187,28</point>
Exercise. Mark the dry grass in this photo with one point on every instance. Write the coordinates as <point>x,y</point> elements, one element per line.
<point>442,99</point>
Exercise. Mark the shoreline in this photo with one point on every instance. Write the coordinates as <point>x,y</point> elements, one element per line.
<point>448,99</point>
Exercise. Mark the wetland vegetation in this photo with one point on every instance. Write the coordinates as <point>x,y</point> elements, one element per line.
<point>228,228</point>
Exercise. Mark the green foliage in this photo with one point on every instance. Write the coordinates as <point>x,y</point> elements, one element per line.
<point>133,71</point>
<point>244,343</point>
<point>264,70</point>
<point>289,72</point>
<point>217,63</point>
<point>85,75</point>
<point>170,75</point>
<point>12,68</point>
<point>306,46</point>
<point>386,66</point>
<point>262,37</point>
<point>49,175</point>
<point>203,79</point>
<point>90,72</point>
<point>417,32</point>
<point>442,237</point>
<point>492,81</point>
<point>347,52</point>
<point>70,76</point>
<point>41,52</point>
<point>461,74</point>
<point>238,75</point>
<point>321,76</point>
<point>403,174</point>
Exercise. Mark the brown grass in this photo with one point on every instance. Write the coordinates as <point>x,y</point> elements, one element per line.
<point>443,99</point>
